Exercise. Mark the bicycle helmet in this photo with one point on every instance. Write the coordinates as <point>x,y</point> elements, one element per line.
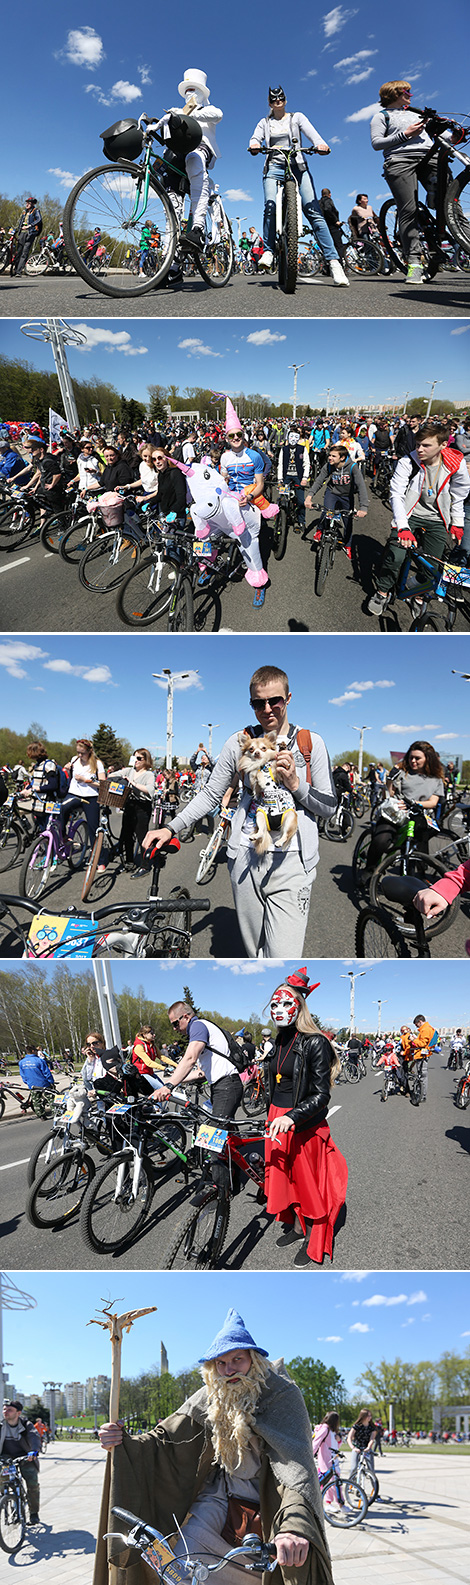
<point>275,94</point>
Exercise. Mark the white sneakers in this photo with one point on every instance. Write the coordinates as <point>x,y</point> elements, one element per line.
<point>336,270</point>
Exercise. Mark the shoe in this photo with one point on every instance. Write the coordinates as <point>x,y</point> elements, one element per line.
<point>376,604</point>
<point>196,236</point>
<point>128,866</point>
<point>266,259</point>
<point>34,1518</point>
<point>415,272</point>
<point>416,608</point>
<point>143,869</point>
<point>336,270</point>
<point>302,1258</point>
<point>290,1236</point>
<point>259,598</point>
<point>101,869</point>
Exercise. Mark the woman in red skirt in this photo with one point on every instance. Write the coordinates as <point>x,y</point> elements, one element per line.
<point>306,1175</point>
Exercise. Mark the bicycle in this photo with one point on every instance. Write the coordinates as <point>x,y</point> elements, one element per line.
<point>118,196</point>
<point>391,1081</point>
<point>350,1505</point>
<point>260,1556</point>
<point>39,1101</point>
<point>112,794</point>
<point>199,1240</point>
<point>18,521</point>
<point>15,832</point>
<point>382,478</point>
<point>462,1093</point>
<point>341,824</point>
<point>366,1478</point>
<point>383,934</point>
<point>75,524</point>
<point>157,927</point>
<point>208,857</point>
<point>254,1094</point>
<point>334,528</point>
<point>288,215</point>
<point>161,588</point>
<point>364,254</point>
<point>288,517</point>
<point>117,1199</point>
<point>13,1504</point>
<point>110,554</point>
<point>52,846</point>
<point>92,1129</point>
<point>449,215</point>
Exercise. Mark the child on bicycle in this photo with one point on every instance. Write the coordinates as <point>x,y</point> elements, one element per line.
<point>278,130</point>
<point>427,493</point>
<point>344,480</point>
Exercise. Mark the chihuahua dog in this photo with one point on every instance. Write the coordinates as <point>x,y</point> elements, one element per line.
<point>274,805</point>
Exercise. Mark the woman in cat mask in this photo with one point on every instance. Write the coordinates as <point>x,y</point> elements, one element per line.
<point>306,1175</point>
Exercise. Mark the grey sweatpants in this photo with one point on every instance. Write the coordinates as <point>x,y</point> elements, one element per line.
<point>272,899</point>
<point>402,176</point>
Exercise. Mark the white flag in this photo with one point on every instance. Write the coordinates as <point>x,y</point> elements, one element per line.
<point>56,423</point>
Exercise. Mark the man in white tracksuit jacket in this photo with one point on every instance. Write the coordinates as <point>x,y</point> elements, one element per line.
<point>427,493</point>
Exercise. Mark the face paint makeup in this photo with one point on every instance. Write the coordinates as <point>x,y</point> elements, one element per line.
<point>284,1008</point>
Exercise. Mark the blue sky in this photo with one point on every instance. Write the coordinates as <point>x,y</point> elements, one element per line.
<point>361,1315</point>
<point>361,362</point>
<point>83,68</point>
<point>391,685</point>
<point>239,988</point>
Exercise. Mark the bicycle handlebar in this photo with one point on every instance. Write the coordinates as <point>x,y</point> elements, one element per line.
<point>159,905</point>
<point>297,149</point>
<point>142,1534</point>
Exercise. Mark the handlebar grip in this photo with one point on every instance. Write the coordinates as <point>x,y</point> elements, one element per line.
<point>129,1518</point>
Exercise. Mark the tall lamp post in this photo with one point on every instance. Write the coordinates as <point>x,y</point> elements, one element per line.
<point>59,334</point>
<point>169,678</point>
<point>11,1298</point>
<point>361,730</point>
<point>296,367</point>
<point>212,727</point>
<point>240,220</point>
<point>52,1387</point>
<point>352,983</point>
<point>381,1001</point>
<point>433,384</point>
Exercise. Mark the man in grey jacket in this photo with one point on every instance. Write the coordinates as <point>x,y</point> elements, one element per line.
<point>19,1439</point>
<point>271,892</point>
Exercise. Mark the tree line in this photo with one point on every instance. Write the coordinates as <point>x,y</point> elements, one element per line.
<point>28,393</point>
<point>112,750</point>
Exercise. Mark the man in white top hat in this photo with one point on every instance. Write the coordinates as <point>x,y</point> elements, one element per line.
<point>199,162</point>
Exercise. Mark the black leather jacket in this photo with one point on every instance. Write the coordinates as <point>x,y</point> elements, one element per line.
<point>310,1080</point>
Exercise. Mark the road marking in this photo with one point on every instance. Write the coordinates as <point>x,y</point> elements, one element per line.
<point>8,1164</point>
<point>332,1110</point>
<point>12,564</point>
<point>48,553</point>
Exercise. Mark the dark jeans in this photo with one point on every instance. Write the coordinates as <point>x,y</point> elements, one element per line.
<point>432,540</point>
<point>402,176</point>
<point>383,839</point>
<point>135,824</point>
<point>339,503</point>
<point>226,1095</point>
<point>23,254</point>
<point>91,810</point>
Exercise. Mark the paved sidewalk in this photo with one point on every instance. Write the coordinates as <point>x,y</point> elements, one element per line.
<point>419,1534</point>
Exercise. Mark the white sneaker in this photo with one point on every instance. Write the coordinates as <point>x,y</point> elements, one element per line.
<point>266,259</point>
<point>336,270</point>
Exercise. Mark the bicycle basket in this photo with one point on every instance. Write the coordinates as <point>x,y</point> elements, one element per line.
<point>112,507</point>
<point>114,792</point>
<point>122,141</point>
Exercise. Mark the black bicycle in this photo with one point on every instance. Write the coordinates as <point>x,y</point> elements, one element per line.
<point>13,1501</point>
<point>15,831</point>
<point>394,928</point>
<point>287,518</point>
<point>449,215</point>
<point>333,528</point>
<point>288,215</point>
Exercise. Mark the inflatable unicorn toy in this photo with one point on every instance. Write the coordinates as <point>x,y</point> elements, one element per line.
<point>216,511</point>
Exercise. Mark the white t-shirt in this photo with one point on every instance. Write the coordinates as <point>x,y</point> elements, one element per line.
<point>215,1060</point>
<point>88,787</point>
<point>89,472</point>
<point>188,451</point>
<point>149,478</point>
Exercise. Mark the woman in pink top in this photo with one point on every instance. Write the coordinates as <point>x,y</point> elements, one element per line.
<point>326,1441</point>
<point>432,900</point>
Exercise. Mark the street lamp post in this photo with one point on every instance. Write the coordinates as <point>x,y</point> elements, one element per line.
<point>240,220</point>
<point>296,367</point>
<point>52,1387</point>
<point>212,727</point>
<point>407,394</point>
<point>59,334</point>
<point>433,384</point>
<point>352,982</point>
<point>361,730</point>
<point>169,678</point>
<point>381,1001</point>
<point>11,1298</point>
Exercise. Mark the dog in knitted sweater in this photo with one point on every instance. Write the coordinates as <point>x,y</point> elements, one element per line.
<point>273,804</point>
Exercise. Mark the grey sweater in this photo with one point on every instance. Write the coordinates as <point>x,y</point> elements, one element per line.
<point>319,798</point>
<point>387,132</point>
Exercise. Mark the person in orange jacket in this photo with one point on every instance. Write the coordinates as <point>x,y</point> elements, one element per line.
<point>421,1048</point>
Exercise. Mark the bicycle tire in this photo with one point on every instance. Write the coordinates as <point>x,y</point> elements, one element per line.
<point>359,805</point>
<point>279,531</point>
<point>253,1100</point>
<point>11,839</point>
<point>351,1071</point>
<point>462,1094</point>
<point>289,240</point>
<point>92,866</point>
<point>208,862</point>
<point>377,936</point>
<point>173,944</point>
<point>175,1133</point>
<point>209,261</point>
<point>53,531</point>
<point>435,622</point>
<point>128,285</point>
<point>8,1512</point>
<point>200,1238</point>
<point>38,1151</point>
<point>80,844</point>
<point>101,575</point>
<point>369,1485</point>
<point>418,864</point>
<point>74,543</point>
<point>181,612</point>
<point>65,1180</point>
<point>2,1106</point>
<point>349,1513</point>
<point>456,220</point>
<point>98,1210</point>
<point>20,528</point>
<point>325,561</point>
<point>139,606</point>
<point>31,881</point>
<point>384,216</point>
<point>336,832</point>
<point>360,874</point>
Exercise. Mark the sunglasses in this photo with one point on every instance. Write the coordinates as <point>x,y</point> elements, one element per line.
<point>265,704</point>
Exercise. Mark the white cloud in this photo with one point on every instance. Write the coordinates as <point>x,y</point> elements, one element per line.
<point>109,340</point>
<point>264,338</point>
<point>364,114</point>
<point>236,195</point>
<point>359,77</point>
<point>144,74</point>
<point>345,698</point>
<point>364,687</point>
<point>195,348</point>
<point>66,178</point>
<point>329,1339</point>
<point>94,88</point>
<point>354,1276</point>
<point>379,1298</point>
<point>355,1304</point>
<point>336,19</point>
<point>14,651</point>
<point>83,48</point>
<point>181,684</point>
<point>462,1334</point>
<point>87,673</point>
<point>97,674</point>
<point>335,140</point>
<point>313,72</point>
<point>429,726</point>
<point>445,737</point>
<point>409,1322</point>
<point>353,60</point>
<point>125,185</point>
<point>126,91</point>
<point>361,1326</point>
<point>418,1298</point>
<point>462,330</point>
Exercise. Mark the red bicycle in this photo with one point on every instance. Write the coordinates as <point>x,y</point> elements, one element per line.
<point>200,1237</point>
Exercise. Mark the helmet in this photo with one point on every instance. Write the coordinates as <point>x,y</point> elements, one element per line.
<point>275,94</point>
<point>97,231</point>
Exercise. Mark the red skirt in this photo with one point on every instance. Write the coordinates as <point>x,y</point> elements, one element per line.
<point>306,1174</point>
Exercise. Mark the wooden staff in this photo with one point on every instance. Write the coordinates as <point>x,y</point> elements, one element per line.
<point>116,1325</point>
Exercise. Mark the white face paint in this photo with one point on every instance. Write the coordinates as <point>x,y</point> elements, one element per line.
<point>284,1008</point>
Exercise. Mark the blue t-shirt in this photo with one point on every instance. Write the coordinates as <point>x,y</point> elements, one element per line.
<point>10,463</point>
<point>36,1072</point>
<point>215,1059</point>
<point>241,467</point>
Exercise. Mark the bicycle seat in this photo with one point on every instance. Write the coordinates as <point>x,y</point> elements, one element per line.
<point>401,888</point>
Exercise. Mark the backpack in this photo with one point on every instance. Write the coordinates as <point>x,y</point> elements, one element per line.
<point>235,1054</point>
<point>63,782</point>
<point>304,743</point>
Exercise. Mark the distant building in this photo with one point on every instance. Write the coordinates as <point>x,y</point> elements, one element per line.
<point>97,1386</point>
<point>75,1397</point>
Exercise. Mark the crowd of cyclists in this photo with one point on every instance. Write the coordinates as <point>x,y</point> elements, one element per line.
<point>270,466</point>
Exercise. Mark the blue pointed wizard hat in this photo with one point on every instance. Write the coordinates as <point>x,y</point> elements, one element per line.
<point>233,1334</point>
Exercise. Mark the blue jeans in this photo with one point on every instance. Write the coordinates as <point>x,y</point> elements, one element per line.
<point>310,206</point>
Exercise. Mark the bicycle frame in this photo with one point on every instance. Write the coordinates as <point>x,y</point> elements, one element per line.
<point>59,844</point>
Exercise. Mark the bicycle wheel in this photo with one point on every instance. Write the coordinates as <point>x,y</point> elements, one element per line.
<point>108,197</point>
<point>462,1094</point>
<point>350,1511</point>
<point>92,866</point>
<point>279,528</point>
<point>77,540</point>
<point>359,805</point>
<point>369,1485</point>
<point>12,1521</point>
<point>168,1133</point>
<point>208,861</point>
<point>111,1213</point>
<point>309,265</point>
<point>146,594</point>
<point>351,1072</point>
<point>181,612</point>
<point>79,844</point>
<point>325,561</point>
<point>435,621</point>
<point>53,531</point>
<point>215,263</point>
<point>2,1106</point>
<point>52,1143</point>
<point>174,931</point>
<point>339,827</point>
<point>253,1100</point>
<point>58,1192</point>
<point>360,872</point>
<point>289,241</point>
<point>107,562</point>
<point>424,868</point>
<point>378,936</point>
<point>199,1240</point>
<point>36,867</point>
<point>389,231</point>
<point>11,838</point>
<point>457,221</point>
<point>17,528</point>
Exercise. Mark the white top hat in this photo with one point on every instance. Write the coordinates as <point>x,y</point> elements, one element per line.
<point>195,81</point>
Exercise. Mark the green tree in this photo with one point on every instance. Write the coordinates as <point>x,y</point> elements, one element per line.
<point>157,403</point>
<point>132,412</point>
<point>189,998</point>
<point>109,748</point>
<point>321,1385</point>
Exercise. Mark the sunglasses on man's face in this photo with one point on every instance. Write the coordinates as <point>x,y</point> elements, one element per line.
<point>265,704</point>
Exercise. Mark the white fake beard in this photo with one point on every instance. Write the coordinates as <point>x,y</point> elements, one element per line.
<point>231,1409</point>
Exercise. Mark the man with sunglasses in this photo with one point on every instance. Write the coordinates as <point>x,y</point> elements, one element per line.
<point>243,469</point>
<point>271,892</point>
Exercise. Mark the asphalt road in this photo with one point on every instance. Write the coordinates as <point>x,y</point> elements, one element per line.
<point>333,910</point>
<point>39,592</point>
<point>245,297</point>
<point>408,1174</point>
